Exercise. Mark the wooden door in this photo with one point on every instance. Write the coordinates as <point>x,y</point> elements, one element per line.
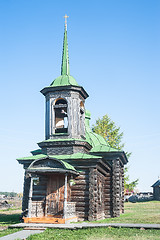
<point>55,195</point>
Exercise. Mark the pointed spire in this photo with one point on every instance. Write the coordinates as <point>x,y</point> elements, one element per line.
<point>65,57</point>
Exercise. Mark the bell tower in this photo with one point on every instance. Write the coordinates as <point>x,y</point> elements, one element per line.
<point>65,104</point>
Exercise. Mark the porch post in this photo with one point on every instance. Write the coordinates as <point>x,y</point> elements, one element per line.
<point>30,197</point>
<point>65,197</point>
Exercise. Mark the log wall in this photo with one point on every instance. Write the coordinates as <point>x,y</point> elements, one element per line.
<point>80,195</point>
<point>116,188</point>
<point>107,195</point>
<point>98,191</point>
<point>97,199</point>
<point>122,191</point>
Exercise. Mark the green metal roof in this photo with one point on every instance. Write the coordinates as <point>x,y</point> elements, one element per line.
<point>64,80</point>
<point>68,166</point>
<point>60,157</point>
<point>97,142</point>
<point>37,151</point>
<point>75,156</point>
<point>64,165</point>
<point>35,157</point>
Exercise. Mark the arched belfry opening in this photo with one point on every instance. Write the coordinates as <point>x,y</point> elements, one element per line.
<point>61,116</point>
<point>81,107</point>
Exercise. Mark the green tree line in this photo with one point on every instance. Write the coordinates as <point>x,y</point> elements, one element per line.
<point>9,194</point>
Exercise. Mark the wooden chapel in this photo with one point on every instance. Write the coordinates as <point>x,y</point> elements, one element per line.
<point>74,175</point>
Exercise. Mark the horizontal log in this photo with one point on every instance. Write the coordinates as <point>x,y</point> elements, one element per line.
<point>80,193</point>
<point>82,209</point>
<point>80,199</point>
<point>107,204</point>
<point>80,187</point>
<point>82,204</point>
<point>39,187</point>
<point>81,182</point>
<point>39,195</point>
<point>38,198</point>
<point>107,187</point>
<point>107,195</point>
<point>84,215</point>
<point>108,181</point>
<point>107,199</point>
<point>39,192</point>
<point>107,208</point>
<point>82,177</point>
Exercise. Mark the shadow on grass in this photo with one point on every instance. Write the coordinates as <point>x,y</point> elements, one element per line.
<point>8,219</point>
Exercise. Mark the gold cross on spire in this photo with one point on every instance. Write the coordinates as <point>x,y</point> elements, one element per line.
<point>66,20</point>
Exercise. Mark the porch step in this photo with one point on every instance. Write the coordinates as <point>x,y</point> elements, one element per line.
<point>44,220</point>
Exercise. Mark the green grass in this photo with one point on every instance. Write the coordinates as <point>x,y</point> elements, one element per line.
<point>146,212</point>
<point>142,212</point>
<point>10,209</point>
<point>8,231</point>
<point>8,219</point>
<point>97,234</point>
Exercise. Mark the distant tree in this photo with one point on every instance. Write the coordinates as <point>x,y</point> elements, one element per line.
<point>129,186</point>
<point>12,194</point>
<point>9,194</point>
<point>112,134</point>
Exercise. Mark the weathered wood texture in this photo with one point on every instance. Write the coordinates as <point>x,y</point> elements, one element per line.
<point>80,195</point>
<point>107,194</point>
<point>92,194</point>
<point>48,196</point>
<point>96,195</point>
<point>55,195</point>
<point>101,196</point>
<point>26,187</point>
<point>98,192</point>
<point>122,190</point>
<point>116,188</point>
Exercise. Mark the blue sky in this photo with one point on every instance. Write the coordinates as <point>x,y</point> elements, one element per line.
<point>114,51</point>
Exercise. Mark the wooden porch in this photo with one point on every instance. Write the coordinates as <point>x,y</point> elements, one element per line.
<point>50,198</point>
<point>53,220</point>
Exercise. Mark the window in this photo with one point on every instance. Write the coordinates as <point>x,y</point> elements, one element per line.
<point>61,117</point>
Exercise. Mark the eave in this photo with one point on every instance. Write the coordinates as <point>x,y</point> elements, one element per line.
<point>80,89</point>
